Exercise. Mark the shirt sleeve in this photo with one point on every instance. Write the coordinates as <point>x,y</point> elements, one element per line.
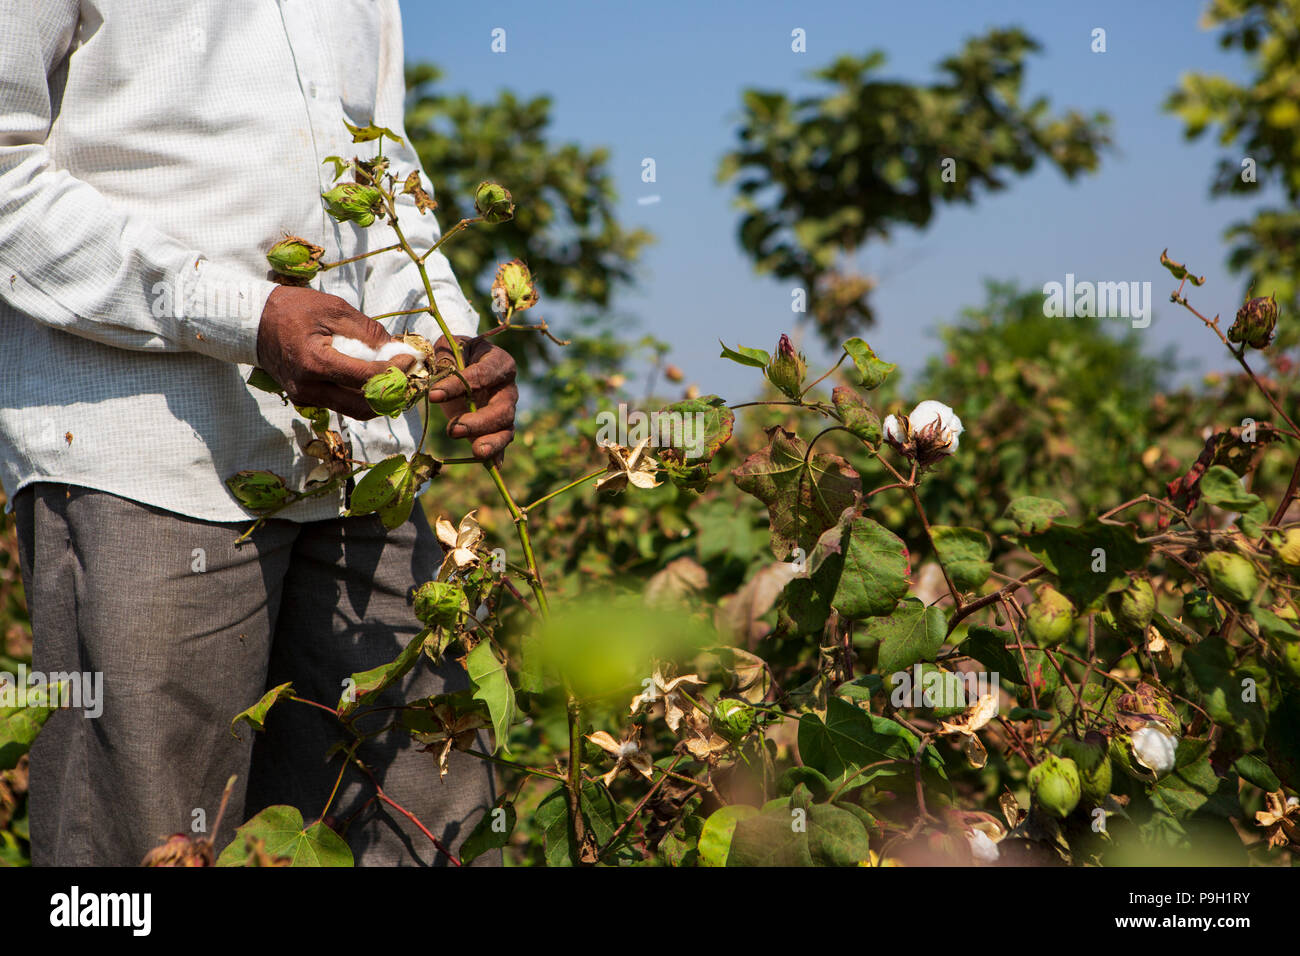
<point>392,280</point>
<point>73,259</point>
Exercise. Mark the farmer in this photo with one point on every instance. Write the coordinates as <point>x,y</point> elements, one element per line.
<point>151,151</point>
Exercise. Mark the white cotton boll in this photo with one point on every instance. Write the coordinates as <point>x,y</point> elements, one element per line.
<point>389,349</point>
<point>354,348</point>
<point>982,847</point>
<point>1154,748</point>
<point>360,350</point>
<point>891,429</point>
<point>930,411</point>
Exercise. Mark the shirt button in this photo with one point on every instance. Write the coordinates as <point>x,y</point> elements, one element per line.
<point>311,90</point>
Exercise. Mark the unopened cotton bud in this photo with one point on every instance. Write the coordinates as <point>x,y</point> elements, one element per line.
<point>353,202</point>
<point>386,392</point>
<point>294,257</point>
<point>1255,323</point>
<point>493,202</point>
<point>258,490</point>
<point>513,287</point>
<point>787,368</point>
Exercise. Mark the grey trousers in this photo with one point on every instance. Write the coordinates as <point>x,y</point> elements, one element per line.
<point>187,631</point>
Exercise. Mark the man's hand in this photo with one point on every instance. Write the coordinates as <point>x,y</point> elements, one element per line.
<point>490,372</point>
<point>293,346</point>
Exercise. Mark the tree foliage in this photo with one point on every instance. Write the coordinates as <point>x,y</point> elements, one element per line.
<point>817,177</point>
<point>1260,121</point>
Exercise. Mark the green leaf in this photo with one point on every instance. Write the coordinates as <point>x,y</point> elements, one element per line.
<point>364,134</point>
<point>803,500</point>
<point>1270,625</point>
<point>850,739</point>
<point>1033,515</point>
<point>1193,785</point>
<point>1178,270</point>
<point>492,686</point>
<point>1213,666</point>
<point>754,358</point>
<point>492,831</point>
<point>1222,488</point>
<point>340,165</point>
<point>990,647</point>
<point>715,838</point>
<point>368,684</point>
<point>599,811</point>
<point>20,725</point>
<point>912,633</point>
<point>769,839</point>
<point>1251,768</point>
<point>964,552</point>
<point>255,716</point>
<point>818,834</point>
<point>872,370</point>
<point>1088,559</point>
<point>380,485</point>
<point>693,444</point>
<point>261,379</point>
<point>875,568</point>
<point>836,837</point>
<point>281,829</point>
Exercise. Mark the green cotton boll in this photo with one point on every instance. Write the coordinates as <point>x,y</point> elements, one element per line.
<point>493,202</point>
<point>440,604</point>
<point>1133,607</point>
<point>1255,323</point>
<point>1050,619</point>
<point>294,257</point>
<point>1092,759</point>
<point>732,718</point>
<point>258,490</point>
<point>1231,577</point>
<point>1055,785</point>
<point>386,392</point>
<point>354,202</point>
<point>1289,551</point>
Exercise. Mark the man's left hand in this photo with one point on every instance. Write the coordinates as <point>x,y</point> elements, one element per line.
<point>490,372</point>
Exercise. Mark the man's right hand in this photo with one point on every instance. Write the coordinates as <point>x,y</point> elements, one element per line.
<point>293,346</point>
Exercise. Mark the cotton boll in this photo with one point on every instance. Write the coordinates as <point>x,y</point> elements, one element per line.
<point>353,348</point>
<point>892,430</point>
<point>930,411</point>
<point>360,350</point>
<point>390,349</point>
<point>982,847</point>
<point>1154,747</point>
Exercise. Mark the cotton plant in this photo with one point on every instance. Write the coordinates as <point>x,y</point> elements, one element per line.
<point>721,747</point>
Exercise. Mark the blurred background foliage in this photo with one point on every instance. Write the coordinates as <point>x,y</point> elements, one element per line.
<point>1072,409</point>
<point>1256,122</point>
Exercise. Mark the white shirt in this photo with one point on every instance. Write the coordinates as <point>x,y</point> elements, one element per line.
<point>151,151</point>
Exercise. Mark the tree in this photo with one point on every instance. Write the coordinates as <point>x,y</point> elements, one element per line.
<point>820,176</point>
<point>1260,119</point>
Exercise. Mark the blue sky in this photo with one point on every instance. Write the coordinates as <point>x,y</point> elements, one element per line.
<point>663,80</point>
